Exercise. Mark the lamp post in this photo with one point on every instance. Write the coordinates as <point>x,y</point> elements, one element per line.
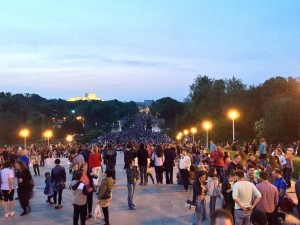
<point>193,131</point>
<point>24,133</point>
<point>42,115</point>
<point>179,136</point>
<point>206,126</point>
<point>186,132</point>
<point>48,134</point>
<point>73,112</point>
<point>233,114</point>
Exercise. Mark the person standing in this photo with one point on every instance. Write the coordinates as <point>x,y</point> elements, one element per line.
<point>132,177</point>
<point>199,193</point>
<point>262,152</point>
<point>95,163</point>
<point>243,193</point>
<point>227,192</point>
<point>269,199</point>
<point>35,161</point>
<point>212,188</point>
<point>234,164</point>
<point>23,157</point>
<point>58,176</point>
<point>24,186</point>
<point>79,198</point>
<point>217,161</point>
<point>110,159</point>
<point>184,166</point>
<point>159,159</point>
<point>250,175</point>
<point>169,164</point>
<point>107,185</point>
<point>86,153</point>
<point>7,188</point>
<point>143,157</point>
<point>289,167</point>
<point>212,146</point>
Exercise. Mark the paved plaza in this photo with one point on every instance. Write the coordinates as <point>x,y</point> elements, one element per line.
<point>156,204</point>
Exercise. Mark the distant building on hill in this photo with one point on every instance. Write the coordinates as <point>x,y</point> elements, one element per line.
<point>145,103</point>
<point>88,97</point>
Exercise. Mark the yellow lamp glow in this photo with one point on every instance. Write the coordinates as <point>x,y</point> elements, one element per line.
<point>24,133</point>
<point>193,130</point>
<point>69,138</point>
<point>186,132</point>
<point>233,114</point>
<point>206,125</point>
<point>48,134</point>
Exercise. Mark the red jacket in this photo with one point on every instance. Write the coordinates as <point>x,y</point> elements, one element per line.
<point>94,160</point>
<point>216,158</point>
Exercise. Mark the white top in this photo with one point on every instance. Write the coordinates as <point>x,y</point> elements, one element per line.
<point>244,192</point>
<point>6,174</point>
<point>158,161</point>
<point>282,160</point>
<point>185,162</point>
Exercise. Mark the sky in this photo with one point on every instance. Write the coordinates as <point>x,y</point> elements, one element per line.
<point>137,50</point>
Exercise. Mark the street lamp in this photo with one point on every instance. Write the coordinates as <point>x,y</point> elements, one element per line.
<point>233,114</point>
<point>24,133</point>
<point>179,136</point>
<point>73,112</point>
<point>193,131</point>
<point>69,138</point>
<point>48,134</point>
<point>207,125</point>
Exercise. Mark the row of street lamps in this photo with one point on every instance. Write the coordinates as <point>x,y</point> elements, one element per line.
<point>207,125</point>
<point>24,133</point>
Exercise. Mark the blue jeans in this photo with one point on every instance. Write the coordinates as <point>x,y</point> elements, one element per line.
<point>131,188</point>
<point>242,217</point>
<point>200,213</point>
<point>212,203</point>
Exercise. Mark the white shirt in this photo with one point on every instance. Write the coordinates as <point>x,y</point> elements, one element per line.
<point>244,192</point>
<point>282,160</point>
<point>185,162</point>
<point>6,174</point>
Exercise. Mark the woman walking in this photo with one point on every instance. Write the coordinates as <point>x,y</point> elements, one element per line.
<point>199,193</point>
<point>58,175</point>
<point>159,159</point>
<point>25,186</point>
<point>7,188</point>
<point>105,195</point>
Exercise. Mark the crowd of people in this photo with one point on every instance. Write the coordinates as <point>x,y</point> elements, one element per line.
<point>248,185</point>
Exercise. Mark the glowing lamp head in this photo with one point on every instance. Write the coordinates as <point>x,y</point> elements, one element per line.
<point>207,125</point>
<point>24,133</point>
<point>48,134</point>
<point>233,114</point>
<point>186,132</point>
<point>193,130</point>
<point>69,138</point>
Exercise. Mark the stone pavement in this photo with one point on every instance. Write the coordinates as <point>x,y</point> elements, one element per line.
<point>156,204</point>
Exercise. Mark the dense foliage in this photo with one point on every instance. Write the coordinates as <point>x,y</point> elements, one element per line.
<point>270,110</point>
<point>18,111</point>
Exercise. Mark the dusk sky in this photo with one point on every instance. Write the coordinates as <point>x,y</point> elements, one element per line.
<point>143,49</point>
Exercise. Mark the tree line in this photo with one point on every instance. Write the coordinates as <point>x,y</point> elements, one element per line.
<point>32,111</point>
<point>270,109</point>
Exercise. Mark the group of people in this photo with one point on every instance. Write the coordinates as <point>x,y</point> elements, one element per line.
<point>246,186</point>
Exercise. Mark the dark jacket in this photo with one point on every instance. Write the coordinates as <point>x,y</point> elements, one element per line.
<point>86,154</point>
<point>110,156</point>
<point>227,196</point>
<point>58,174</point>
<point>169,157</point>
<point>132,174</point>
<point>197,190</point>
<point>232,166</point>
<point>143,157</point>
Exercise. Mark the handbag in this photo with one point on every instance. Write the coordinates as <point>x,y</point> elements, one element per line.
<point>189,204</point>
<point>97,212</point>
<point>106,195</point>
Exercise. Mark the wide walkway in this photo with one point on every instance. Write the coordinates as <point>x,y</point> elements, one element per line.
<point>156,204</point>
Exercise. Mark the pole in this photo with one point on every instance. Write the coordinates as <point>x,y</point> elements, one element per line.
<point>233,136</point>
<point>193,138</point>
<point>24,143</point>
<point>43,129</point>
<point>207,138</point>
<point>48,143</point>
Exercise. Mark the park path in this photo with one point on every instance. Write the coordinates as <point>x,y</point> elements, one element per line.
<point>156,204</point>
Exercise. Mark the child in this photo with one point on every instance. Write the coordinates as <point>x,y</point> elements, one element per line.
<point>49,188</point>
<point>132,177</point>
<point>79,198</point>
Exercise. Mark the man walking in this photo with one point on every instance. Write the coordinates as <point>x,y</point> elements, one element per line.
<point>243,193</point>
<point>143,157</point>
<point>269,199</point>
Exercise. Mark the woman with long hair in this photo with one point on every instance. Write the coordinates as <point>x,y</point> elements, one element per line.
<point>199,193</point>
<point>87,179</point>
<point>159,159</point>
<point>25,186</point>
<point>107,185</point>
<point>95,164</point>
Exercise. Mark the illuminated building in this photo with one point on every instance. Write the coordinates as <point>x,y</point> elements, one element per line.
<point>88,97</point>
